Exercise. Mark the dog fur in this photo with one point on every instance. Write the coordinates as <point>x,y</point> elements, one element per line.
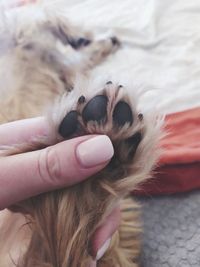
<point>43,62</point>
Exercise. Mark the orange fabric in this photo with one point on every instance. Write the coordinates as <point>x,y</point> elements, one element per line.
<point>179,168</point>
<point>182,144</point>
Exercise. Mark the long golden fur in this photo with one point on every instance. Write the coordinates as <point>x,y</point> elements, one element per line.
<point>42,61</point>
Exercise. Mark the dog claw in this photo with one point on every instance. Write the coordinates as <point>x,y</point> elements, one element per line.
<point>115,40</point>
<point>109,82</point>
<point>81,99</point>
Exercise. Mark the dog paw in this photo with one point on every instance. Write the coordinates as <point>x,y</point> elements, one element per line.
<point>109,112</point>
<point>111,43</point>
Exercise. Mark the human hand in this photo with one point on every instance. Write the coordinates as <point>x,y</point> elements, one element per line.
<point>64,164</point>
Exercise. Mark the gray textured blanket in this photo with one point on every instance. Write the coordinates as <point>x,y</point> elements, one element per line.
<point>171,231</point>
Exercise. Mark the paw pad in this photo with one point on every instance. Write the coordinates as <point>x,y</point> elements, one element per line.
<point>78,43</point>
<point>134,142</point>
<point>96,109</point>
<point>122,114</point>
<point>83,42</point>
<point>69,124</point>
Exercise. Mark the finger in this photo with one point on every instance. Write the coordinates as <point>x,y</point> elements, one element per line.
<point>103,235</point>
<point>64,164</point>
<point>23,130</point>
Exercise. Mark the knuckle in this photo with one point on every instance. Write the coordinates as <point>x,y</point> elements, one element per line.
<point>49,166</point>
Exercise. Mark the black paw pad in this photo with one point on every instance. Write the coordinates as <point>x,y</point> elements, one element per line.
<point>83,42</point>
<point>79,42</point>
<point>133,142</point>
<point>69,124</point>
<point>96,109</point>
<point>122,114</point>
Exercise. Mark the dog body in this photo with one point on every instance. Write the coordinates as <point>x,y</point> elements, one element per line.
<point>41,60</point>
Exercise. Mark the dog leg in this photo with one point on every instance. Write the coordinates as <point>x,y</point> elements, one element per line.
<point>93,51</point>
<point>64,238</point>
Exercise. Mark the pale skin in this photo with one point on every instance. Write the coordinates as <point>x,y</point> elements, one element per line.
<point>28,174</point>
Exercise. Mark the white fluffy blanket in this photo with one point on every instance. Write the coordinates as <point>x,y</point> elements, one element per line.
<point>161,45</point>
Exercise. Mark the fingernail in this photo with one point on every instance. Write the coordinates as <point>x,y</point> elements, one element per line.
<point>95,151</point>
<point>103,249</point>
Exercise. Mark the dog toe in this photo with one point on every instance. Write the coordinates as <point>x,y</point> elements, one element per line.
<point>69,124</point>
<point>122,114</point>
<point>96,109</point>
